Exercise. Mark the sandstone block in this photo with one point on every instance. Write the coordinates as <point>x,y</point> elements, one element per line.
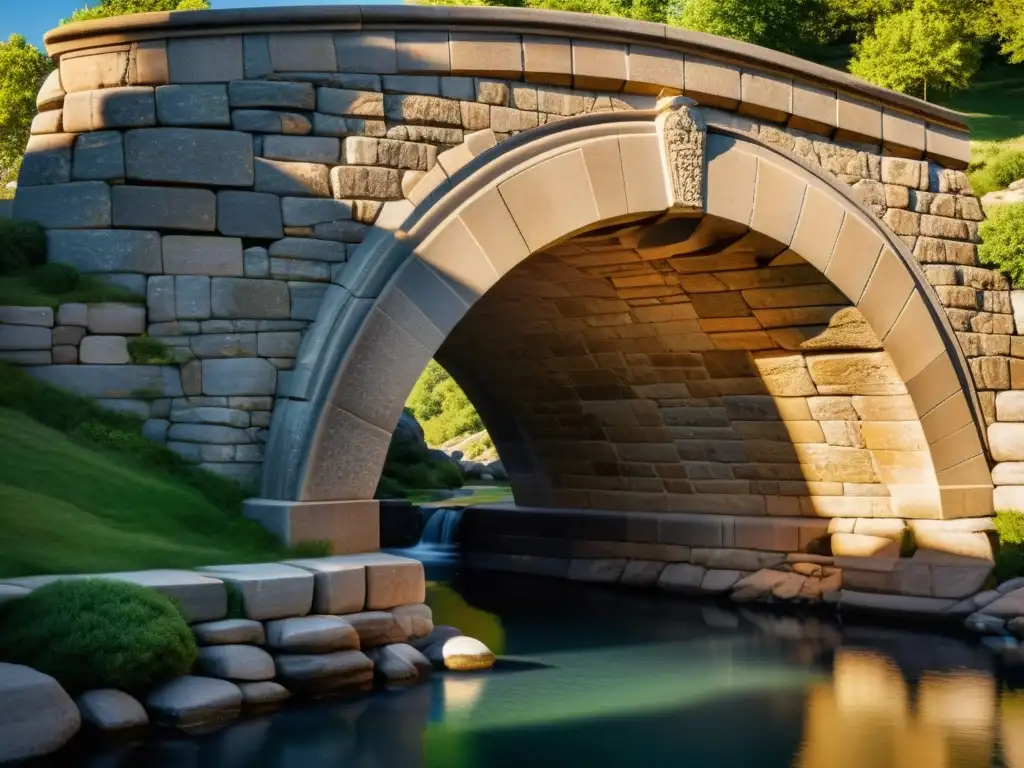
<point>294,179</point>
<point>38,716</point>
<point>269,590</point>
<point>855,374</point>
<point>104,350</point>
<point>390,580</point>
<point>366,182</point>
<point>835,464</point>
<point>240,376</point>
<point>163,208</point>
<point>1006,441</point>
<point>51,93</point>
<point>98,156</point>
<point>246,298</point>
<point>193,105</point>
<point>190,156</point>
<point>133,107</point>
<point>48,122</point>
<point>863,545</point>
<point>249,214</point>
<point>75,205</point>
<point>429,110</point>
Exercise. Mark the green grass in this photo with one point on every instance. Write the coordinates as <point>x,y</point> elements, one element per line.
<point>994,104</point>
<point>1010,557</point>
<point>485,494</point>
<point>20,291</point>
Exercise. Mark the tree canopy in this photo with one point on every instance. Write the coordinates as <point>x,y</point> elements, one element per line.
<point>23,67</point>
<point>441,407</point>
<point>106,8</point>
<point>785,25</point>
<point>1009,19</point>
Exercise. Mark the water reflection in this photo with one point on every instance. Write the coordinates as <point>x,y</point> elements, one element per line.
<point>604,678</point>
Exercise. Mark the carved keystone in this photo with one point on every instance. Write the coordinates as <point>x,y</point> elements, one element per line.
<point>682,130</point>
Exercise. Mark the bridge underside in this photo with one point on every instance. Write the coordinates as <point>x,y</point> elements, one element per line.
<point>689,365</point>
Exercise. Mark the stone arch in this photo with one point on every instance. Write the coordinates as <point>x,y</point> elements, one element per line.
<point>407,289</point>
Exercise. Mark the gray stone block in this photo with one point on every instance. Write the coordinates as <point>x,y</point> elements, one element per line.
<point>235,662</point>
<point>37,717</point>
<point>207,433</point>
<point>193,701</point>
<point>71,314</point>
<point>246,298</point>
<point>116,318</point>
<point>47,160</point>
<point>306,212</point>
<point>246,475</point>
<point>256,54</point>
<point>19,337</point>
<point>241,376</point>
<point>297,179</point>
<point>164,208</point>
<point>279,95</point>
<point>303,149</point>
<point>193,105</point>
<point>309,249</point>
<point>201,255</point>
<point>329,125</point>
<point>104,350</point>
<point>311,634</point>
<point>340,101</point>
<point>229,632</point>
<point>190,452</point>
<point>344,231</point>
<point>325,672</point>
<point>199,597</point>
<point>106,250</point>
<point>156,430</point>
<point>189,156</point>
<point>249,214</point>
<point>75,205</point>
<point>122,381</point>
<point>160,299</point>
<point>192,297</point>
<point>27,358</point>
<point>298,269</point>
<point>228,417</point>
<point>267,121</point>
<point>256,262</point>
<point>269,590</point>
<point>249,453</point>
<point>129,107</point>
<point>263,694</point>
<point>128,280</point>
<point>279,344</point>
<point>98,156</point>
<point>224,345</point>
<point>40,316</point>
<point>306,299</point>
<point>340,587</point>
<point>205,59</point>
<point>460,88</point>
<point>111,710</point>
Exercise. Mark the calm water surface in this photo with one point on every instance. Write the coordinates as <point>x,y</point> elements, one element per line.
<point>594,677</point>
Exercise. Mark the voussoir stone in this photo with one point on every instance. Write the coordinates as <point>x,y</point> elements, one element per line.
<point>312,634</point>
<point>235,662</point>
<point>229,632</point>
<point>111,710</point>
<point>193,701</point>
<point>37,716</point>
<point>190,156</point>
<point>466,653</point>
<point>268,590</point>
<point>322,672</point>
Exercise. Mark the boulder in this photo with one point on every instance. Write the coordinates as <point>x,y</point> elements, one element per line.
<point>466,653</point>
<point>312,634</point>
<point>325,672</point>
<point>985,625</point>
<point>229,632</point>
<point>756,586</point>
<point>263,694</point>
<point>111,710</point>
<point>413,621</point>
<point>413,656</point>
<point>191,701</point>
<point>439,634</point>
<point>1009,606</point>
<point>392,667</point>
<point>375,628</point>
<point>37,716</point>
<point>235,662</point>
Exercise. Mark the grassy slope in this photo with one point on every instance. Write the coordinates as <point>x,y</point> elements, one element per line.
<point>68,507</point>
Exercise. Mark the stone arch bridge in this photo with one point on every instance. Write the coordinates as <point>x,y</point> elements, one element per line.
<point>715,295</point>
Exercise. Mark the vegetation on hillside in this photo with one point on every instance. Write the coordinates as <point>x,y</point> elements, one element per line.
<point>23,67</point>
<point>441,407</point>
<point>1002,241</point>
<point>107,8</point>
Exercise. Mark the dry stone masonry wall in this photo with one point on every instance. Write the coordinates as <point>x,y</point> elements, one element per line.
<point>229,178</point>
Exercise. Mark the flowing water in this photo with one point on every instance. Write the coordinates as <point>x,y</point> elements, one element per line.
<point>608,677</point>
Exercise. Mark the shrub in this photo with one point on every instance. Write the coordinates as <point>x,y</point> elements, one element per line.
<point>441,407</point>
<point>22,245</point>
<point>56,278</point>
<point>146,350</point>
<point>995,166</point>
<point>95,633</point>
<point>1002,241</point>
<point>1010,555</point>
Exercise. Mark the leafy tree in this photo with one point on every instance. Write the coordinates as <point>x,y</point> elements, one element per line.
<point>642,10</point>
<point>23,68</point>
<point>1009,21</point>
<point>107,8</point>
<point>785,25</point>
<point>855,19</point>
<point>441,407</point>
<point>925,46</point>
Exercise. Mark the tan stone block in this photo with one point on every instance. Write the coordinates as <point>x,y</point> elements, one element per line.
<point>832,408</point>
<point>491,225</point>
<point>904,468</point>
<point>885,408</point>
<point>547,59</point>
<point>766,96</point>
<point>814,109</point>
<point>869,373</point>
<point>934,384</point>
<point>712,82</point>
<point>481,53</point>
<point>640,162</point>
<point>886,293</point>
<point>924,500</point>
<point>894,435</point>
<point>858,120</point>
<point>854,257</point>
<point>887,529</point>
<point>1016,374</point>
<point>731,173</point>
<point>454,253</point>
<point>90,70</point>
<point>652,69</point>
<point>422,51</point>
<point>991,372</point>
<point>946,418</point>
<point>843,433</point>
<point>778,198</point>
<point>902,134</point>
<point>835,464</point>
<point>805,432</point>
<point>598,65</point>
<point>818,228</point>
<point>847,330</point>
<point>785,375</point>
<point>862,545</point>
<point>896,196</point>
<point>842,506</point>
<point>950,147</point>
<point>792,408</point>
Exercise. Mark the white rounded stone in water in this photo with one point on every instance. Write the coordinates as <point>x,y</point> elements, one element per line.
<point>111,710</point>
<point>466,653</point>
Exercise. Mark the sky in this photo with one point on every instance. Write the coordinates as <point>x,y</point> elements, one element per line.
<point>33,18</point>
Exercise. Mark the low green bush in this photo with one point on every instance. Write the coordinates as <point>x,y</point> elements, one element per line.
<point>56,278</point>
<point>1010,553</point>
<point>96,633</point>
<point>22,245</point>
<point>145,350</point>
<point>410,465</point>
<point>996,169</point>
<point>1002,241</point>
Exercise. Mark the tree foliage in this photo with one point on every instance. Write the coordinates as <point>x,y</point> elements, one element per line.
<point>106,8</point>
<point>1002,241</point>
<point>641,10</point>
<point>785,25</point>
<point>23,68</point>
<point>441,407</point>
<point>1009,21</point>
<point>924,47</point>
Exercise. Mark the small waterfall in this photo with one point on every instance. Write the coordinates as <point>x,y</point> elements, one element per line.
<point>441,525</point>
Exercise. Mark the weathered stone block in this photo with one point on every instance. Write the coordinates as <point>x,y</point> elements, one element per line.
<point>75,205</point>
<point>249,214</point>
<point>1006,442</point>
<point>192,297</point>
<point>40,316</point>
<point>224,345</point>
<point>205,59</point>
<point>340,587</point>
<point>104,382</point>
<point>296,179</point>
<point>163,208</point>
<point>17,337</point>
<point>312,634</point>
<point>192,701</point>
<point>235,662</point>
<point>104,350</point>
<point>190,156</point>
<point>304,212</point>
<point>241,376</point>
<point>193,105</point>
<point>256,262</point>
<point>366,182</point>
<point>98,156</point>
<point>133,107</point>
<point>269,590</point>
<point>47,160</point>
<point>308,249</point>
<point>245,298</point>
<point>337,101</point>
<point>306,299</point>
<point>429,110</point>
<point>306,149</point>
<point>296,269</point>
<point>116,319</point>
<point>278,95</point>
<point>855,374</point>
<point>200,255</point>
